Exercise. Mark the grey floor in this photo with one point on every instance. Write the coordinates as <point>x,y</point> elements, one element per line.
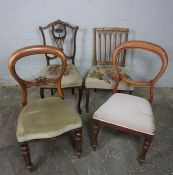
<point>116,153</point>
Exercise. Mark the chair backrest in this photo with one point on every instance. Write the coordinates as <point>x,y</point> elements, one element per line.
<point>33,50</point>
<point>144,46</point>
<point>106,40</point>
<point>58,31</point>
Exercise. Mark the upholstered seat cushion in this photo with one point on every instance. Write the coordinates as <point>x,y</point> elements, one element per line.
<point>102,77</point>
<point>127,111</point>
<point>46,118</point>
<point>71,78</point>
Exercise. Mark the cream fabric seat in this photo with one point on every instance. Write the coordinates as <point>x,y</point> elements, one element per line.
<point>127,111</point>
<point>46,118</point>
<point>71,77</point>
<point>101,76</point>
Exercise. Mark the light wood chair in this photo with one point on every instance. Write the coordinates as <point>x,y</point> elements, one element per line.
<point>62,35</point>
<point>100,76</point>
<point>128,113</point>
<point>44,118</point>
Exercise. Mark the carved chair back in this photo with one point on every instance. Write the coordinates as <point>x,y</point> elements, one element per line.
<point>106,40</point>
<point>160,52</point>
<point>58,31</point>
<point>33,50</point>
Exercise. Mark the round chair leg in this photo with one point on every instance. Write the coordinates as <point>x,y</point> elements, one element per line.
<point>95,131</point>
<point>130,92</point>
<point>26,155</point>
<point>72,91</point>
<point>145,147</point>
<point>42,92</point>
<point>52,92</point>
<point>78,142</point>
<point>79,100</point>
<point>87,100</point>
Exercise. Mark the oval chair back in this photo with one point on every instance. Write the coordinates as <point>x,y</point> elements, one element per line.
<point>33,50</point>
<point>148,46</point>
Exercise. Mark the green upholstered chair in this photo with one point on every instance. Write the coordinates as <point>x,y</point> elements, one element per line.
<point>44,118</point>
<point>62,36</point>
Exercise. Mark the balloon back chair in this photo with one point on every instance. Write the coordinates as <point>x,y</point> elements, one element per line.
<point>44,118</point>
<point>128,113</point>
<point>62,36</point>
<point>100,76</point>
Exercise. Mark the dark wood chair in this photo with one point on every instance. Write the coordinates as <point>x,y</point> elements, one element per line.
<point>128,113</point>
<point>62,36</point>
<point>44,118</point>
<point>100,76</point>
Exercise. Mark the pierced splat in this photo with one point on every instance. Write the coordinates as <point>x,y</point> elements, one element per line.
<point>59,34</point>
<point>59,31</point>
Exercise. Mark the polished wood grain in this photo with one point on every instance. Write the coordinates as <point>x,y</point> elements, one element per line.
<point>161,53</point>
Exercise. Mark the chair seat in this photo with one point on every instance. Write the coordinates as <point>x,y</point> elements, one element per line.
<point>127,111</point>
<point>71,78</point>
<point>46,118</point>
<point>101,77</point>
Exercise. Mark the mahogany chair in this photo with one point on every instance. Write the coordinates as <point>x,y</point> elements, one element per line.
<point>100,76</point>
<point>44,118</point>
<point>137,116</point>
<point>62,36</point>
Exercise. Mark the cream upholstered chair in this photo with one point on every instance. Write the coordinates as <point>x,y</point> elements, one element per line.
<point>62,36</point>
<point>44,118</point>
<point>100,76</point>
<point>129,113</point>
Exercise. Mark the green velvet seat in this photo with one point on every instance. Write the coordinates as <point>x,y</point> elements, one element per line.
<point>46,118</point>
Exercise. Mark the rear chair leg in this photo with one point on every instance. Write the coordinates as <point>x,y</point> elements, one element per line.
<point>42,92</point>
<point>72,91</point>
<point>130,92</point>
<point>78,141</point>
<point>52,92</point>
<point>87,100</point>
<point>79,100</point>
<point>26,155</point>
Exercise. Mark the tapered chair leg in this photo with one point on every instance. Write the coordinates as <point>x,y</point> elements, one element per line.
<point>42,92</point>
<point>87,100</point>
<point>79,100</point>
<point>130,92</point>
<point>78,141</point>
<point>52,92</point>
<point>26,155</point>
<point>72,91</point>
<point>145,147</point>
<point>95,131</point>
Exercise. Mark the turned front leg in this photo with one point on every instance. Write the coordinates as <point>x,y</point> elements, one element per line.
<point>145,147</point>
<point>95,131</point>
<point>26,155</point>
<point>78,141</point>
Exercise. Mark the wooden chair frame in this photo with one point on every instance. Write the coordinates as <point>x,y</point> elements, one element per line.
<point>149,84</point>
<point>60,27</point>
<point>105,40</point>
<point>24,85</point>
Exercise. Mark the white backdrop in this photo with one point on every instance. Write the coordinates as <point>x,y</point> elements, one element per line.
<point>150,20</point>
